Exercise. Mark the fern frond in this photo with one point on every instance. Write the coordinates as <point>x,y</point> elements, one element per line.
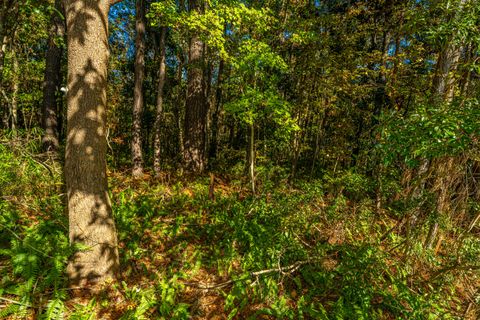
<point>84,312</point>
<point>9,310</point>
<point>54,311</point>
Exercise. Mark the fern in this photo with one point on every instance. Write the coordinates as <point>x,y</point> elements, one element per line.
<point>54,311</point>
<point>85,312</point>
<point>9,310</point>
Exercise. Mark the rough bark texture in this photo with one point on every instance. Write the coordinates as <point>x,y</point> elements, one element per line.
<point>137,157</point>
<point>52,80</point>
<point>159,113</point>
<point>90,214</point>
<point>196,106</point>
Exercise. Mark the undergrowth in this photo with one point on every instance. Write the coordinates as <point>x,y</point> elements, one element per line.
<point>309,250</point>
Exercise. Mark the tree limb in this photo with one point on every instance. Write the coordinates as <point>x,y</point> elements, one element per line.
<point>112,2</point>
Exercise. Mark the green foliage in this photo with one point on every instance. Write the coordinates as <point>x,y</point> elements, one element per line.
<point>431,132</point>
<point>84,312</point>
<point>34,245</point>
<point>54,311</point>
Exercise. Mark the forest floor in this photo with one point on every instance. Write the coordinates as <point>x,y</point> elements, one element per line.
<point>206,248</point>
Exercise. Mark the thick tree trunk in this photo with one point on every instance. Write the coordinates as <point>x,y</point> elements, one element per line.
<point>90,215</point>
<point>159,114</point>
<point>196,106</point>
<point>137,157</point>
<point>52,80</point>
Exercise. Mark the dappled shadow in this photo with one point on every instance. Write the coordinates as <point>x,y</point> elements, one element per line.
<point>90,219</point>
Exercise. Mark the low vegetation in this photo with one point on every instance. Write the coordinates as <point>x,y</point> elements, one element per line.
<point>190,248</point>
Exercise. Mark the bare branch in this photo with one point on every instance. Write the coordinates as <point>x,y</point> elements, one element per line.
<point>285,270</point>
<point>112,2</point>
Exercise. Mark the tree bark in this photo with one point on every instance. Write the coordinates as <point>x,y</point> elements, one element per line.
<point>52,80</point>
<point>137,157</point>
<point>179,110</point>
<point>196,106</point>
<point>14,100</point>
<point>216,113</point>
<point>251,157</point>
<point>90,215</point>
<point>159,114</point>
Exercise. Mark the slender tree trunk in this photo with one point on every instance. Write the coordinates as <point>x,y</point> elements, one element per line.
<point>251,160</point>
<point>140,24</point>
<point>216,113</point>
<point>443,81</point>
<point>52,80</point>
<point>90,215</point>
<point>467,74</point>
<point>159,114</point>
<point>3,49</point>
<point>444,168</point>
<point>14,100</point>
<point>443,90</point>
<point>196,106</point>
<point>179,109</point>
<point>443,85</point>
<point>319,134</point>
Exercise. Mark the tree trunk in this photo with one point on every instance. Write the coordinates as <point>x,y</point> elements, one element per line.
<point>251,157</point>
<point>3,49</point>
<point>443,81</point>
<point>90,215</point>
<point>137,157</point>
<point>318,137</point>
<point>14,100</point>
<point>443,85</point>
<point>159,114</point>
<point>196,106</point>
<point>52,80</point>
<point>216,112</point>
<point>179,110</point>
<point>442,184</point>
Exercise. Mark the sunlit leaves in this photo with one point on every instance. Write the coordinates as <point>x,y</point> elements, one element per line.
<point>431,132</point>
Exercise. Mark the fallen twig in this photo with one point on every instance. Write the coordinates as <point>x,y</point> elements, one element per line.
<point>288,269</point>
<point>15,302</point>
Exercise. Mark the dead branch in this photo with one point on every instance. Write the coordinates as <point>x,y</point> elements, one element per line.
<point>285,270</point>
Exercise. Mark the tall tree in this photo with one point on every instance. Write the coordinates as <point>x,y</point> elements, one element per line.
<point>216,112</point>
<point>159,113</point>
<point>52,78</point>
<point>140,25</point>
<point>90,215</point>
<point>196,106</point>
<point>8,13</point>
